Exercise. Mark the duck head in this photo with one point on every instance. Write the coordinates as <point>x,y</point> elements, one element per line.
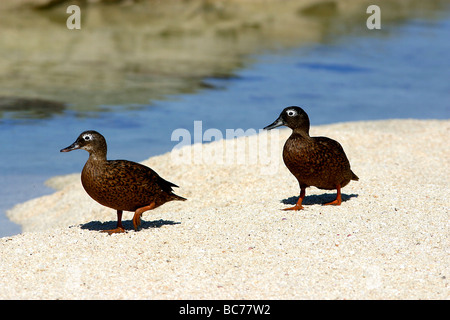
<point>91,141</point>
<point>293,117</point>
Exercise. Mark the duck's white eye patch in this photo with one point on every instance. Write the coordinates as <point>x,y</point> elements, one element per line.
<point>291,113</point>
<point>87,137</point>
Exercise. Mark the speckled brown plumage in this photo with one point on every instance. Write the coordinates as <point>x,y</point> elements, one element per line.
<point>120,184</point>
<point>314,161</point>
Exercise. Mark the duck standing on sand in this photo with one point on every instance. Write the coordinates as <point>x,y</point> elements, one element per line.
<point>314,161</point>
<point>120,184</point>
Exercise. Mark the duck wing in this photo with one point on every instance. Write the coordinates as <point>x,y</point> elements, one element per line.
<point>127,173</point>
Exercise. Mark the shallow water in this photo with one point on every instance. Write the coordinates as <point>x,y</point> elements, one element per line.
<point>402,72</point>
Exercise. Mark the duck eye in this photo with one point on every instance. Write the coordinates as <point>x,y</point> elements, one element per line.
<point>87,137</point>
<point>291,113</point>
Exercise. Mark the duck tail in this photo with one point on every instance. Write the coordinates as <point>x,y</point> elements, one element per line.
<point>176,197</point>
<point>354,176</point>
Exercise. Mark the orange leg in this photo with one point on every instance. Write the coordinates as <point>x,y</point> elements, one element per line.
<point>138,214</point>
<point>298,205</point>
<point>119,228</point>
<point>338,200</point>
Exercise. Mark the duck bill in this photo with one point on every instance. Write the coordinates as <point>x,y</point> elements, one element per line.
<point>277,123</point>
<point>73,146</point>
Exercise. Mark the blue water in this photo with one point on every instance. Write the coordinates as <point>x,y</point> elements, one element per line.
<point>403,72</point>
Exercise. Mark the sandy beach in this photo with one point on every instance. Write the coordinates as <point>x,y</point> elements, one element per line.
<point>388,240</point>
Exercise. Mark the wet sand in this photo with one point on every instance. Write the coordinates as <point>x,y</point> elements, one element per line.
<point>388,240</point>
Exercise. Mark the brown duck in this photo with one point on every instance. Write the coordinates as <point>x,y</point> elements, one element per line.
<point>314,161</point>
<point>120,184</point>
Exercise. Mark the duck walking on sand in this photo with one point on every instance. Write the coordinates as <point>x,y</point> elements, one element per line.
<point>120,184</point>
<point>314,161</point>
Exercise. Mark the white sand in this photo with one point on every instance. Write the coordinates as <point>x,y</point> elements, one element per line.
<point>388,240</point>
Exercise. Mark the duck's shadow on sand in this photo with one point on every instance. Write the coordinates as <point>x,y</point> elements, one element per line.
<point>127,224</point>
<point>318,199</point>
